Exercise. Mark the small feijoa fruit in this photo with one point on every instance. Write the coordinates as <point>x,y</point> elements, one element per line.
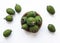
<point>31,14</point>
<point>18,8</point>
<point>9,18</point>
<point>51,28</point>
<point>31,21</point>
<point>25,26</point>
<point>51,9</point>
<point>7,33</point>
<point>34,29</point>
<point>38,19</point>
<point>10,11</point>
<point>24,19</point>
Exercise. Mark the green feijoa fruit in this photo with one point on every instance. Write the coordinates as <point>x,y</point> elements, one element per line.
<point>25,26</point>
<point>9,18</point>
<point>34,29</point>
<point>31,14</point>
<point>31,21</point>
<point>51,28</point>
<point>24,19</point>
<point>18,8</point>
<point>7,33</point>
<point>50,9</point>
<point>38,19</point>
<point>10,11</point>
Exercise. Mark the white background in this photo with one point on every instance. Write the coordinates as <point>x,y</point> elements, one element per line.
<point>19,35</point>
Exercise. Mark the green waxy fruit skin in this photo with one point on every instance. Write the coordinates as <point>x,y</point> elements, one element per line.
<point>31,14</point>
<point>7,33</point>
<point>51,28</point>
<point>31,21</point>
<point>38,19</point>
<point>50,9</point>
<point>9,18</point>
<point>25,26</point>
<point>10,11</point>
<point>18,8</point>
<point>34,29</point>
<point>24,19</point>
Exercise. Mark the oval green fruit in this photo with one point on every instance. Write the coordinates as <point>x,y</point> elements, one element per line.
<point>34,29</point>
<point>38,19</point>
<point>25,26</point>
<point>7,33</point>
<point>31,21</point>
<point>24,19</point>
<point>10,11</point>
<point>9,18</point>
<point>50,9</point>
<point>51,28</point>
<point>18,8</point>
<point>31,14</point>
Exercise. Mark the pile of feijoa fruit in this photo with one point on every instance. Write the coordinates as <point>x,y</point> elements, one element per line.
<point>31,21</point>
